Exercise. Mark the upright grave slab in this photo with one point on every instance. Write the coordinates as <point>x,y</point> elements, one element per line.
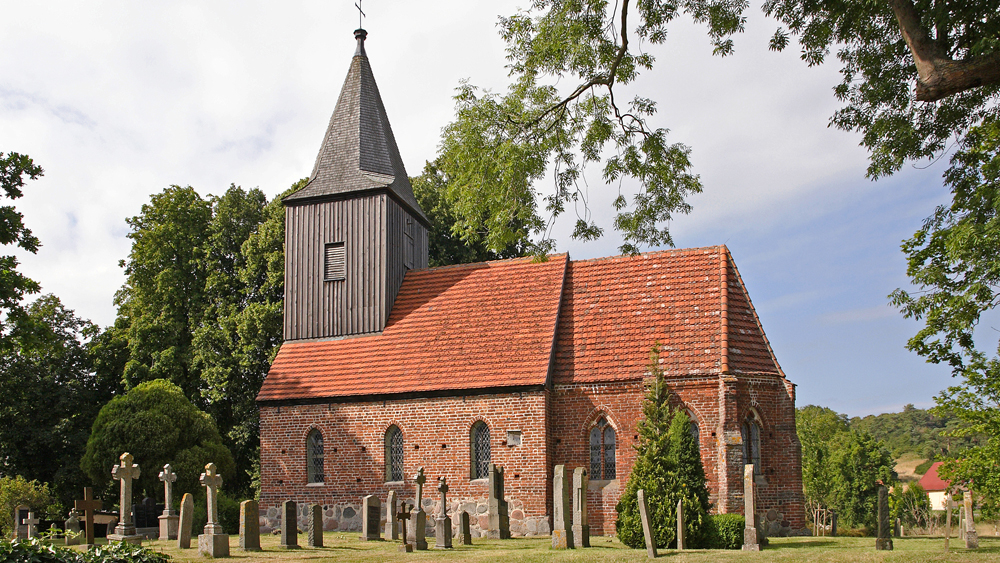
<point>72,528</point>
<point>249,526</point>
<point>497,510</point>
<point>442,524</point>
<point>647,528</point>
<point>581,530</point>
<point>884,540</point>
<point>88,506</point>
<point>419,516</point>
<point>391,524</point>
<point>680,524</point>
<point>971,536</point>
<point>126,472</point>
<point>186,522</point>
<point>750,540</point>
<point>169,519</point>
<point>314,528</point>
<point>289,525</point>
<point>20,513</point>
<point>562,525</point>
<point>371,511</point>
<point>213,543</point>
<point>947,518</point>
<point>32,524</point>
<point>465,526</point>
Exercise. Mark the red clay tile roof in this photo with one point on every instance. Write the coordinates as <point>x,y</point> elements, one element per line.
<point>492,325</point>
<point>931,481</point>
<point>458,327</point>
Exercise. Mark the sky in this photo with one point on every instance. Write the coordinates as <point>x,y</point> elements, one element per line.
<point>118,100</point>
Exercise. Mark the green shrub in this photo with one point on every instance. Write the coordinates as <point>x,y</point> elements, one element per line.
<point>122,552</point>
<point>17,490</point>
<point>923,467</point>
<point>34,551</point>
<point>724,531</point>
<point>229,513</point>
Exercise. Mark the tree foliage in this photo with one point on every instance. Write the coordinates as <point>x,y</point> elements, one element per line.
<point>818,428</point>
<point>668,468</point>
<point>15,491</point>
<point>157,424</point>
<point>14,285</point>
<point>919,431</point>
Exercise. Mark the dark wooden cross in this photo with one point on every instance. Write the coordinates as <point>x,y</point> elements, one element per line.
<point>88,506</point>
<point>360,13</point>
<point>403,517</point>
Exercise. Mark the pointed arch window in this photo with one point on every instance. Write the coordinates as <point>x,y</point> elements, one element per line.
<point>602,450</point>
<point>314,457</point>
<point>750,431</point>
<point>695,431</point>
<point>480,445</point>
<point>393,454</point>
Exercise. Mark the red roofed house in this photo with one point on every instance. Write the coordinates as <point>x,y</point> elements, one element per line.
<point>935,486</point>
<point>388,366</point>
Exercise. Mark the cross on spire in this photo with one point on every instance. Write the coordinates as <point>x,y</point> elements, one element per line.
<point>360,13</point>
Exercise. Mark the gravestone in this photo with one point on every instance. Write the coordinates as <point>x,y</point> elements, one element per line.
<point>581,530</point>
<point>442,527</point>
<point>88,506</point>
<point>562,523</point>
<point>314,527</point>
<point>289,525</point>
<point>647,530</point>
<point>897,528</point>
<point>391,524</point>
<point>20,513</point>
<point>497,509</point>
<point>833,523</point>
<point>971,536</point>
<point>883,542</point>
<point>186,522</point>
<point>371,510</point>
<point>466,528</point>
<point>249,525</point>
<point>750,540</point>
<point>32,524</point>
<point>169,519</point>
<point>403,516</point>
<point>947,519</point>
<point>126,472</point>
<point>213,543</point>
<point>72,528</point>
<point>680,524</point>
<point>419,516</point>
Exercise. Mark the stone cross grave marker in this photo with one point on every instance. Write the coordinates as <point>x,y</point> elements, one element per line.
<point>750,540</point>
<point>581,530</point>
<point>371,514</point>
<point>72,528</point>
<point>391,524</point>
<point>32,523</point>
<point>971,536</point>
<point>249,525</point>
<point>680,524</point>
<point>126,472</point>
<point>213,543</point>
<point>647,530</point>
<point>169,518</point>
<point>466,528</point>
<point>186,522</point>
<point>562,524</point>
<point>497,509</point>
<point>88,506</point>
<point>314,526</point>
<point>403,516</point>
<point>442,524</point>
<point>289,525</point>
<point>419,516</point>
<point>884,540</point>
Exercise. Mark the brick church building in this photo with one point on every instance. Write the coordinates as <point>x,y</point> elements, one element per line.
<point>389,365</point>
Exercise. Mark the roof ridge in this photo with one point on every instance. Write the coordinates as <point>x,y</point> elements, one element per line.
<point>486,262</point>
<point>649,254</point>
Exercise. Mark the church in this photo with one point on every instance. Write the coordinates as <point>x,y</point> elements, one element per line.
<point>388,365</point>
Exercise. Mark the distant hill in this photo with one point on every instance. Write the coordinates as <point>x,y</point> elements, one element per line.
<point>915,431</point>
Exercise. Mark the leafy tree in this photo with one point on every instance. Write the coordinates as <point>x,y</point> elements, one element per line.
<point>918,431</point>
<point>17,490</point>
<point>14,285</point>
<point>818,429</point>
<point>859,463</point>
<point>911,505</point>
<point>668,468</point>
<point>157,424</point>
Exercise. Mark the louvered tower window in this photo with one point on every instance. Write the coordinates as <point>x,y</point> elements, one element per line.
<point>480,450</point>
<point>408,243</point>
<point>314,457</point>
<point>602,450</point>
<point>334,262</point>
<point>393,454</point>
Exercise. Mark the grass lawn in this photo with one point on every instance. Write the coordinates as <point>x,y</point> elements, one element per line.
<point>346,547</point>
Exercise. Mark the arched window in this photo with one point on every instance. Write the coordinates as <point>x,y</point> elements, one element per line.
<point>602,450</point>
<point>314,457</point>
<point>695,431</point>
<point>751,442</point>
<point>480,439</point>
<point>393,454</point>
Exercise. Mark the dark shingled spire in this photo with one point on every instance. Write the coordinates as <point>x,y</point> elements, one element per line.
<point>359,152</point>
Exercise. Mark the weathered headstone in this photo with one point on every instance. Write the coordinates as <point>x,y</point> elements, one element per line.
<point>20,513</point>
<point>833,523</point>
<point>186,522</point>
<point>371,513</point>
<point>314,526</point>
<point>897,528</point>
<point>126,472</point>
<point>497,510</point>
<point>419,516</point>
<point>249,525</point>
<point>680,524</point>
<point>391,524</point>
<point>562,524</point>
<point>32,524</point>
<point>403,516</point>
<point>442,524</point>
<point>647,529</point>
<point>169,519</point>
<point>289,525</point>
<point>947,519</point>
<point>971,536</point>
<point>581,530</point>
<point>466,528</point>
<point>88,506</point>
<point>213,543</point>
<point>750,540</point>
<point>884,541</point>
<point>72,528</point>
